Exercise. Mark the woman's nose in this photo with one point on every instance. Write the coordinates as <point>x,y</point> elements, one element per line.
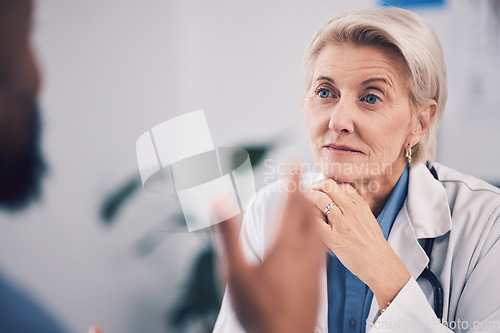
<point>341,117</point>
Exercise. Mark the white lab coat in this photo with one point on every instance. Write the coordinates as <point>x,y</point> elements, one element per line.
<point>461,212</point>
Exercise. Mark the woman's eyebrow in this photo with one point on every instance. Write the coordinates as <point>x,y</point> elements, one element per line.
<point>378,79</point>
<point>325,78</point>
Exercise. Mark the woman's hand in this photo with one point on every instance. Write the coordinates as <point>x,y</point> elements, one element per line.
<point>351,231</point>
<point>282,293</point>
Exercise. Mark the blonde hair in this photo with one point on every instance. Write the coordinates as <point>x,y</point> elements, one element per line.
<point>417,43</point>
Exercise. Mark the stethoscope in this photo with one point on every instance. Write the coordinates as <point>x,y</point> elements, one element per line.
<point>427,273</point>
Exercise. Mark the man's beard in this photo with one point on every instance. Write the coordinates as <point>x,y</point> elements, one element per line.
<point>21,172</point>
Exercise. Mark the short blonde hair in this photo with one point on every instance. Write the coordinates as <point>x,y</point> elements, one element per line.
<point>417,43</point>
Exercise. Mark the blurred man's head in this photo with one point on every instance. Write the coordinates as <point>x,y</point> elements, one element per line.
<point>21,163</point>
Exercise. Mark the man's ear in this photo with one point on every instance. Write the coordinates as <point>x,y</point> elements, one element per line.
<point>424,118</point>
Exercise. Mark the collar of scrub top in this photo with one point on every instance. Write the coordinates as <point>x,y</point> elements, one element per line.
<point>394,204</point>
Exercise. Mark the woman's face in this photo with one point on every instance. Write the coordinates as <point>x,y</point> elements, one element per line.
<point>358,113</point>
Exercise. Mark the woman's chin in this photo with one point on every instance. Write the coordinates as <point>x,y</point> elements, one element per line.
<point>345,172</point>
<point>341,177</point>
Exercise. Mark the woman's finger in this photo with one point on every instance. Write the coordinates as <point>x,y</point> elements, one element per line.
<point>322,201</point>
<point>350,192</point>
<point>324,230</point>
<point>319,220</point>
<point>334,191</point>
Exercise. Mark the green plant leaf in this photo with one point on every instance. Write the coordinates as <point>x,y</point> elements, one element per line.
<point>201,298</point>
<point>160,233</point>
<point>115,201</point>
<point>257,153</point>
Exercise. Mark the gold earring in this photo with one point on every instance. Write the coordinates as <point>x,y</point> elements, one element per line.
<point>408,153</point>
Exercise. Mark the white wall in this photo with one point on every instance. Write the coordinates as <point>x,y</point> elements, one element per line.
<point>113,69</point>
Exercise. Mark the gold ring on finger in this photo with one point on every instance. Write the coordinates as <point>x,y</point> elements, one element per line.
<point>328,208</point>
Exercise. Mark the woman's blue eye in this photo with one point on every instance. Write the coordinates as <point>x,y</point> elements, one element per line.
<point>372,99</point>
<point>324,93</point>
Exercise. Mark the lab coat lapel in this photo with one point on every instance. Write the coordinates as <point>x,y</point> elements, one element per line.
<point>425,214</point>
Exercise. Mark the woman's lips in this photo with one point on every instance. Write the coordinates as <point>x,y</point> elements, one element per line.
<point>341,149</point>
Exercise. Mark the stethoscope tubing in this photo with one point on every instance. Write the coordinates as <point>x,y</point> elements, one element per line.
<point>428,274</point>
<point>433,280</point>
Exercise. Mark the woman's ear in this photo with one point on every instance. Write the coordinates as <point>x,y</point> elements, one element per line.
<point>426,115</point>
<point>424,119</point>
